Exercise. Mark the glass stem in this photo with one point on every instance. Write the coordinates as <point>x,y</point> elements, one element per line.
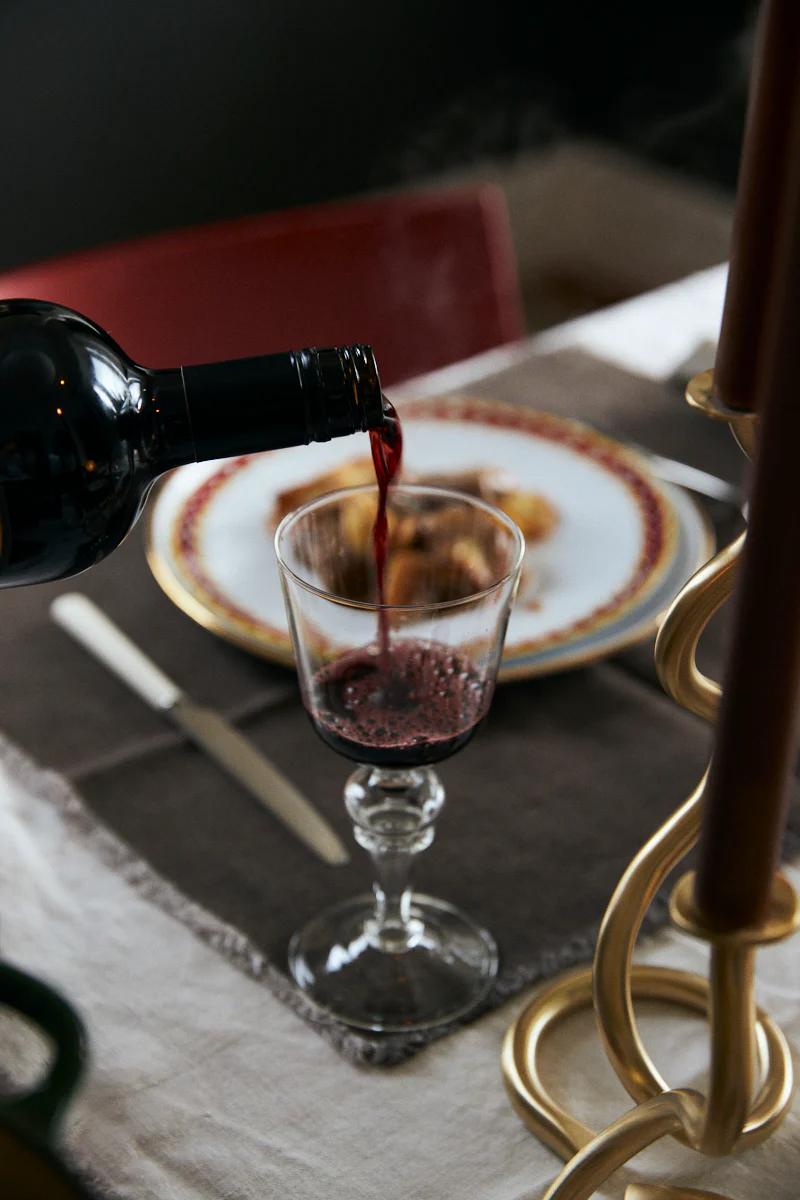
<point>392,888</point>
<point>393,813</point>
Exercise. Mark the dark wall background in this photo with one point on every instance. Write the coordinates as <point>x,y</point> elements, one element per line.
<point>122,117</point>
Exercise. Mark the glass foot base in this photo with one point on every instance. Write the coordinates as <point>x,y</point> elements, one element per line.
<point>445,969</point>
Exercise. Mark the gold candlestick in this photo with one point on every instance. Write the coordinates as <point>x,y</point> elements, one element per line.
<point>746,1047</point>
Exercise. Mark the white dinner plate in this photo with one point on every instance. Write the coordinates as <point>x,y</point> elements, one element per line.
<point>623,546</point>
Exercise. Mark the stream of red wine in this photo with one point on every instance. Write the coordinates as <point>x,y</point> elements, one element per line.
<point>386,443</point>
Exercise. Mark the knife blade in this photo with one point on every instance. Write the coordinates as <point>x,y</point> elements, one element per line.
<point>89,625</point>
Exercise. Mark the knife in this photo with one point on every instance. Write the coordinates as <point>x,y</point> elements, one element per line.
<point>693,478</point>
<point>90,626</point>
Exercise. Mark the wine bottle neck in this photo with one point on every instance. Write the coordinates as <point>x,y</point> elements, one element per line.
<point>221,410</point>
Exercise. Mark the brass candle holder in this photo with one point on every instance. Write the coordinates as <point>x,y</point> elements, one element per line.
<point>752,1076</point>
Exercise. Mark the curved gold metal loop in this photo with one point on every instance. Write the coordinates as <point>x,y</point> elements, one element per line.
<point>676,649</point>
<point>555,1002</point>
<point>682,627</point>
<point>555,1125</point>
<point>675,660</point>
<point>668,1113</point>
<point>616,941</point>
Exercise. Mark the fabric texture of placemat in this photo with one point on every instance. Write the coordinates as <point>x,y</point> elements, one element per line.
<point>545,808</point>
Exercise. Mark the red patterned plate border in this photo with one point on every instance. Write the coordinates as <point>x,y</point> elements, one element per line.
<point>658,523</point>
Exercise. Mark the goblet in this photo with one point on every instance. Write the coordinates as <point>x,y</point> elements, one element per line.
<point>396,687</point>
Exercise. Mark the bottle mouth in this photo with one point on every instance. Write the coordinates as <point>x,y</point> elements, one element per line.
<point>345,394</point>
<point>366,385</point>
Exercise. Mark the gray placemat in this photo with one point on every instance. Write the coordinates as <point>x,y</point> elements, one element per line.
<point>545,808</point>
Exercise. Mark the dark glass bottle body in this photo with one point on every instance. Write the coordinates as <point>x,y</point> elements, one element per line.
<point>84,431</point>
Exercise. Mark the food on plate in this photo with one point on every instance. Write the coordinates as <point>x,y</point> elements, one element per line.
<point>348,475</point>
<point>435,554</point>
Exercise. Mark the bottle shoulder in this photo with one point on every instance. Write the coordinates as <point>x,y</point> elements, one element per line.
<point>66,390</point>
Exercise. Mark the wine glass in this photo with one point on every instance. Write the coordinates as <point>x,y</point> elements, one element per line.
<point>396,687</point>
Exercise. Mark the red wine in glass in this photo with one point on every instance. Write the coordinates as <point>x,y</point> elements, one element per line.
<point>414,704</point>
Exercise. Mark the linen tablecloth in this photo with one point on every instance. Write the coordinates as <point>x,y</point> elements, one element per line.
<point>203,1086</point>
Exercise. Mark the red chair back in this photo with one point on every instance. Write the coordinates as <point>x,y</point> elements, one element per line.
<point>426,278</point>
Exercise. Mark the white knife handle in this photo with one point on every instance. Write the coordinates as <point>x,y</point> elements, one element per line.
<point>91,627</point>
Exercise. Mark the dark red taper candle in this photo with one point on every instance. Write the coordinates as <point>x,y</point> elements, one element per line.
<point>756,743</point>
<point>763,179</point>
